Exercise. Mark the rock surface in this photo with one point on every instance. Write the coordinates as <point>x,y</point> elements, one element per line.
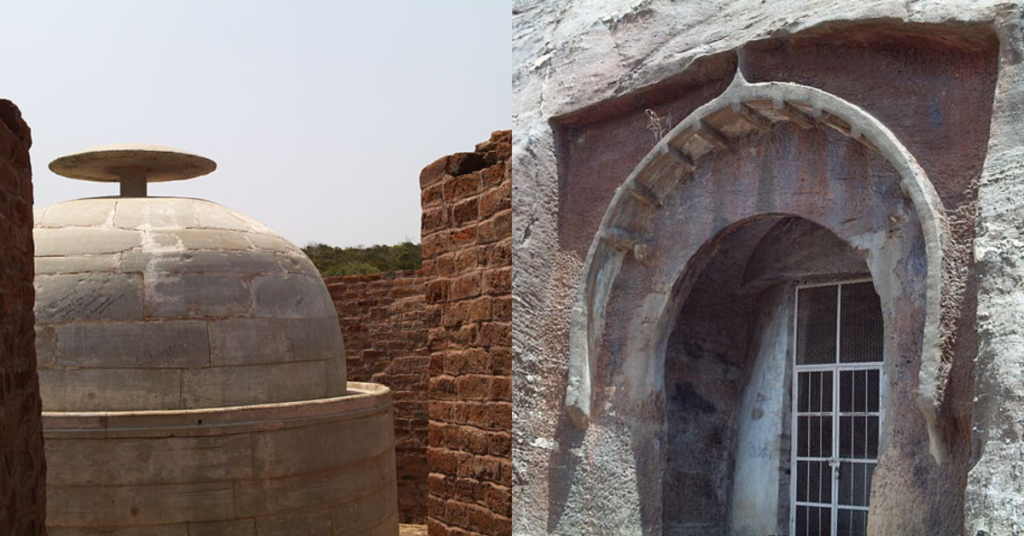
<point>578,63</point>
<point>22,489</point>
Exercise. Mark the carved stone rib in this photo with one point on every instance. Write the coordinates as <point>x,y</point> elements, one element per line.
<point>709,134</point>
<point>619,238</point>
<point>680,157</point>
<point>643,194</point>
<point>834,122</point>
<point>752,117</point>
<point>797,116</point>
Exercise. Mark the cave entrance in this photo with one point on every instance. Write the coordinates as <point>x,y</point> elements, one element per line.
<point>838,399</point>
<point>774,386</point>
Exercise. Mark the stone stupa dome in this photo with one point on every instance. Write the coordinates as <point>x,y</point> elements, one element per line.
<point>163,303</point>
<point>192,370</point>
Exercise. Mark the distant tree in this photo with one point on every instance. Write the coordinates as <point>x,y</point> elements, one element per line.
<point>333,261</point>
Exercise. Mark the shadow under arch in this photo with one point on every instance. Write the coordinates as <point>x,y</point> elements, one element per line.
<point>728,372</point>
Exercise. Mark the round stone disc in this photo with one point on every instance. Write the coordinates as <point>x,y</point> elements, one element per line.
<point>107,163</point>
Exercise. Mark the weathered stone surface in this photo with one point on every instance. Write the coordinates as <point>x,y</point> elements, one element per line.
<point>214,216</point>
<point>175,344</point>
<point>77,264</point>
<point>200,239</point>
<point>97,296</point>
<point>595,88</point>
<point>197,471</point>
<point>245,527</point>
<point>177,529</point>
<point>86,241</point>
<point>83,213</point>
<point>234,386</point>
<point>140,213</point>
<point>237,262</point>
<point>250,341</point>
<point>291,296</point>
<point>300,523</point>
<point>200,295</point>
<point>263,497</point>
<point>140,505</point>
<point>172,460</point>
<point>365,512</point>
<point>319,448</point>
<point>93,389</point>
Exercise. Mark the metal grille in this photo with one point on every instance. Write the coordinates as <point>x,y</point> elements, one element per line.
<point>816,326</point>
<point>861,324</point>
<point>838,379</point>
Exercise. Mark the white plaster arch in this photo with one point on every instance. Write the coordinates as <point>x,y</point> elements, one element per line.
<point>753,106</point>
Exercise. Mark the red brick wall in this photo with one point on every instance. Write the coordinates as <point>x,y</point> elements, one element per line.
<point>466,240</point>
<point>381,317</point>
<point>22,468</point>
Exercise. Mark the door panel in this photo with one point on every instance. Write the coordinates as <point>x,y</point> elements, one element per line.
<point>838,408</point>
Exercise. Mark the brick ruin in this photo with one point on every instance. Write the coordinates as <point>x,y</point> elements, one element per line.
<point>22,467</point>
<point>440,338</point>
<point>383,325</point>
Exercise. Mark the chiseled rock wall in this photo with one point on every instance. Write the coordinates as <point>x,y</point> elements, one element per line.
<point>572,58</point>
<point>22,467</point>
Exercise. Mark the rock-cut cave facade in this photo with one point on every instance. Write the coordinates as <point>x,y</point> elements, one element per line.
<point>767,268</point>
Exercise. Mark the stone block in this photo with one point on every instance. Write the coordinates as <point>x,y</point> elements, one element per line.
<point>175,344</point>
<point>241,527</point>
<point>201,261</point>
<point>250,341</point>
<point>371,509</point>
<point>78,213</point>
<point>191,239</point>
<point>316,338</point>
<point>321,448</point>
<point>292,296</point>
<point>139,505</point>
<point>46,346</point>
<point>297,263</point>
<point>235,386</point>
<point>336,375</point>
<point>77,264</point>
<point>314,523</point>
<point>176,529</point>
<point>145,461</point>
<point>214,216</point>
<point>89,389</point>
<point>279,495</point>
<point>197,296</point>
<point>154,213</point>
<point>95,296</point>
<point>83,241</point>
<point>271,242</point>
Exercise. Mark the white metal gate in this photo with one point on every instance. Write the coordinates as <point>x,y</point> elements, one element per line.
<point>838,402</point>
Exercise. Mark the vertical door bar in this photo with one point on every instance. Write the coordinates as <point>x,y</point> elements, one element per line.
<point>834,517</point>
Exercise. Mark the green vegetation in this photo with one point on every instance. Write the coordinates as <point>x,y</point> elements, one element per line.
<point>332,261</point>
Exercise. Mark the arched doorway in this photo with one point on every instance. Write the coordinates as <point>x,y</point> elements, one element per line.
<point>774,386</point>
<point>749,159</point>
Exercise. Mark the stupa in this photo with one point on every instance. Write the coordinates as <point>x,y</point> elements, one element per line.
<point>192,369</point>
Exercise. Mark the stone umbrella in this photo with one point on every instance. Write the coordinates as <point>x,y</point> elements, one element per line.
<point>193,371</point>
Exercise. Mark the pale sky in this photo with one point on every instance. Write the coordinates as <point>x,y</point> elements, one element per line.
<point>319,114</point>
